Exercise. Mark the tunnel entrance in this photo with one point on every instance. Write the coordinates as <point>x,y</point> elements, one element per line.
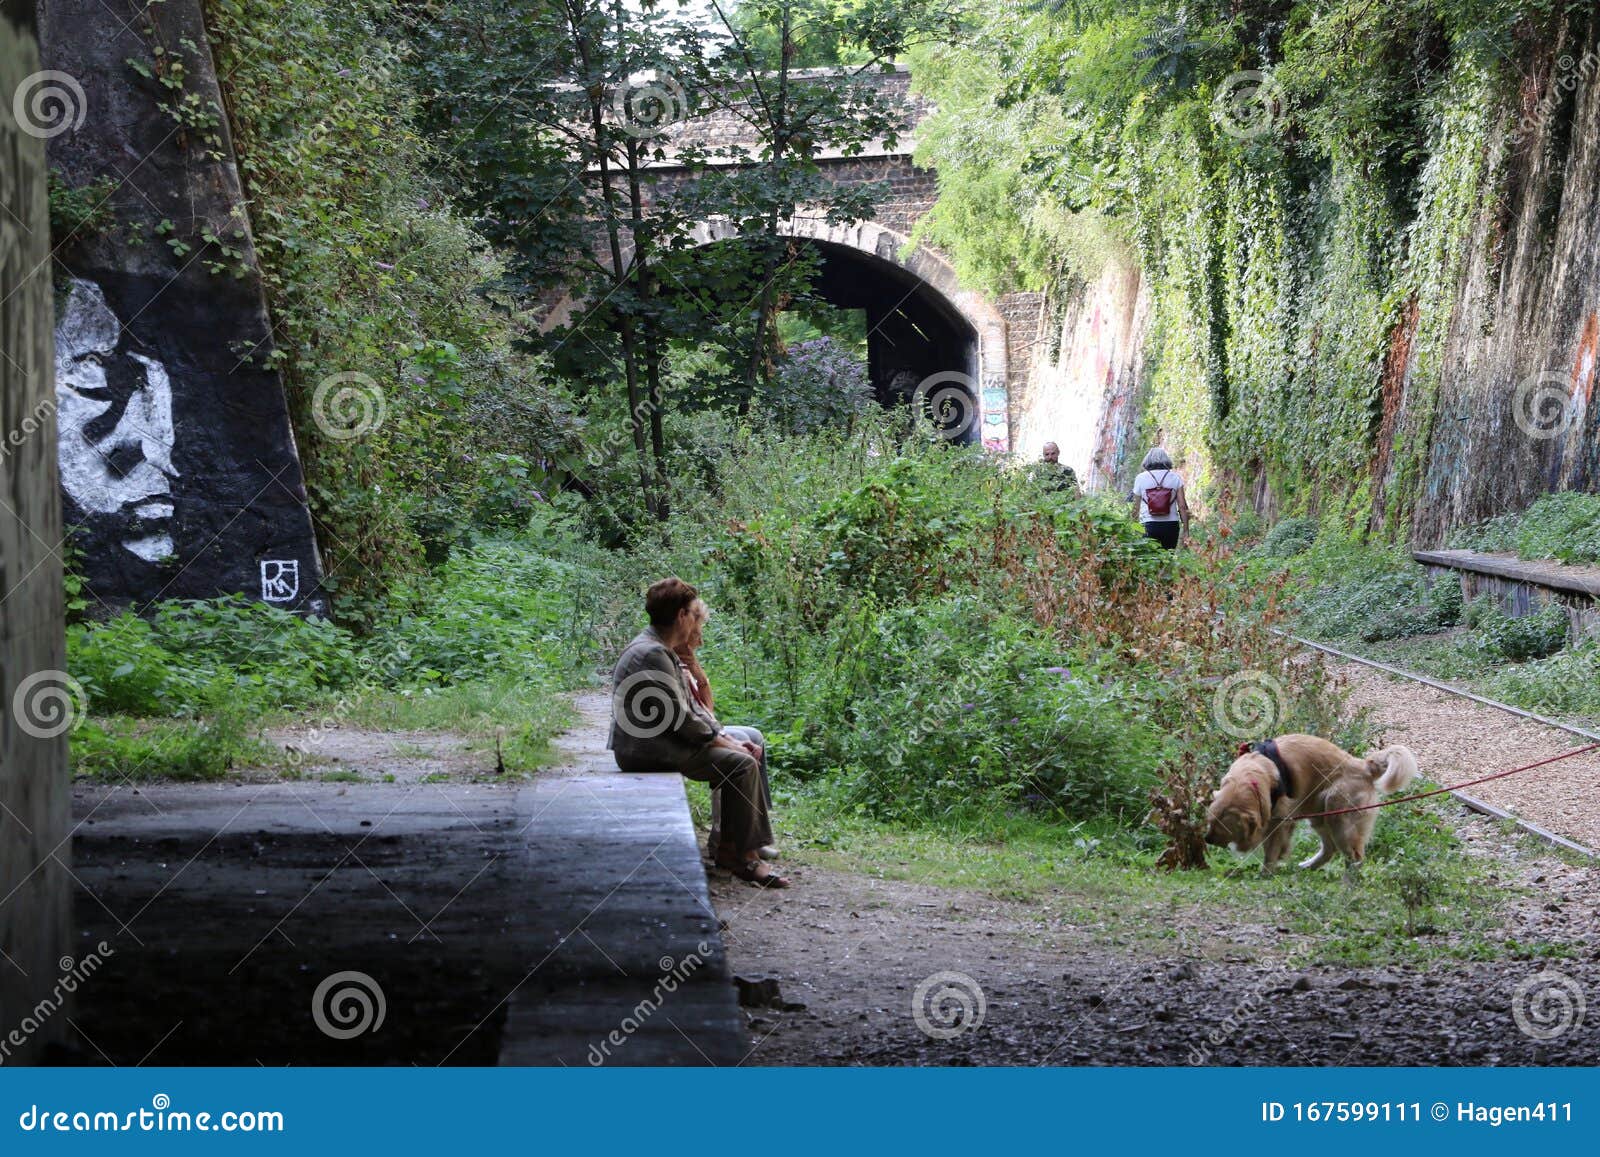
<point>920,349</point>
<point>913,333</point>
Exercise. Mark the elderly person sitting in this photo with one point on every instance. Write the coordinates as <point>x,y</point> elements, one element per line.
<point>687,649</point>
<point>657,724</point>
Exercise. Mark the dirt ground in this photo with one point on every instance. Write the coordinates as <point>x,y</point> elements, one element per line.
<point>853,951</point>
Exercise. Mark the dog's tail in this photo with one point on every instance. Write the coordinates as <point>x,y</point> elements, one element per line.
<point>1392,768</point>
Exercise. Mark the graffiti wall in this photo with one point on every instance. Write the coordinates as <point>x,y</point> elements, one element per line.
<point>179,473</point>
<point>1083,370</point>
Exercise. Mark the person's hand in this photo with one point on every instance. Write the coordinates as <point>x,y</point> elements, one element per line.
<point>738,745</point>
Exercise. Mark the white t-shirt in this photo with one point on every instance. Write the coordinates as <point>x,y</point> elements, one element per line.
<point>1171,479</point>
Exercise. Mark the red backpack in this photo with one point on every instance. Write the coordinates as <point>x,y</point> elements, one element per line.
<point>1158,499</point>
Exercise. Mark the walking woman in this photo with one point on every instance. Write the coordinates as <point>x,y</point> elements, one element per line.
<point>657,724</point>
<point>1159,499</point>
<point>688,652</point>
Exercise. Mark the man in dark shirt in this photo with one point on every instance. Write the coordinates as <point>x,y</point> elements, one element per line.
<point>1052,473</point>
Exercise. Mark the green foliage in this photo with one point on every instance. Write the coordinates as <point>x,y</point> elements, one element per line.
<point>499,611</point>
<point>369,270</point>
<point>1533,636</point>
<point>1564,526</point>
<point>1388,605</point>
<point>78,213</point>
<point>194,657</point>
<point>1567,683</point>
<point>123,749</point>
<point>953,709</point>
<point>1298,186</point>
<point>290,659</point>
<point>819,384</point>
<point>930,638</point>
<point>484,648</point>
<point>1290,537</point>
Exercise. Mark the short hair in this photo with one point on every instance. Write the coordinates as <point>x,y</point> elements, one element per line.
<point>1157,459</point>
<point>665,600</point>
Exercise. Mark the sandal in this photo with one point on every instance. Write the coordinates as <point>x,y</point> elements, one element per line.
<point>750,873</point>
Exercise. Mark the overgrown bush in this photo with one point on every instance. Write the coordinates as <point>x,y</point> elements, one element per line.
<point>818,384</point>
<point>1391,605</point>
<point>1291,537</point>
<point>1535,636</point>
<point>950,707</point>
<point>927,638</point>
<point>1565,683</point>
<point>1564,526</point>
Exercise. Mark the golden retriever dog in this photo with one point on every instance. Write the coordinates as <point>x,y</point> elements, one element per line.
<point>1274,783</point>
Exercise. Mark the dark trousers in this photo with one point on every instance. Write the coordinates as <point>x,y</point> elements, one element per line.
<point>1166,533</point>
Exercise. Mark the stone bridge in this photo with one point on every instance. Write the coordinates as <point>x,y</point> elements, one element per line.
<point>924,327</point>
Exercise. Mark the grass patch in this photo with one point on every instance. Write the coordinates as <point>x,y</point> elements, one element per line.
<point>120,747</point>
<point>525,716</point>
<point>342,777</point>
<point>1418,898</point>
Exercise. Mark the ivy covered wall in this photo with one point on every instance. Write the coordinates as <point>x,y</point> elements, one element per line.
<point>1354,240</point>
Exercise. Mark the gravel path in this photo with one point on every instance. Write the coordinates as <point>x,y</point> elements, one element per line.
<point>1456,739</point>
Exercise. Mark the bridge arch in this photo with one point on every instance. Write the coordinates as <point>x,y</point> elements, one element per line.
<point>963,333</point>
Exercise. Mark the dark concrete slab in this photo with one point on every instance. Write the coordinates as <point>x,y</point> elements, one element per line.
<point>498,923</point>
<point>1556,576</point>
<point>631,968</point>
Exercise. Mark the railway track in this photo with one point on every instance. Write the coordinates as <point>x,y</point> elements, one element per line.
<point>1472,802</point>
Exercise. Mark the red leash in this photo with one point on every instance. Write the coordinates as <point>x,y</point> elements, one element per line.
<point>1457,787</point>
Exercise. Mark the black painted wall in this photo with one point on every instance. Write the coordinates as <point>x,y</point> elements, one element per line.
<point>177,457</point>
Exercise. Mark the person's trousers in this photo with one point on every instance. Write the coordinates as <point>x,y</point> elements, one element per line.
<point>741,803</point>
<point>748,735</point>
<point>1166,533</point>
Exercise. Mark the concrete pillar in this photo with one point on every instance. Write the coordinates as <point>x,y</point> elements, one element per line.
<point>37,702</point>
<point>165,297</point>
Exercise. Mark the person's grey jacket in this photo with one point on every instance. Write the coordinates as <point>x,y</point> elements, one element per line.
<point>656,725</point>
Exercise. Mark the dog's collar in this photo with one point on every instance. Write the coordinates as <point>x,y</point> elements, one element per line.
<point>1281,786</point>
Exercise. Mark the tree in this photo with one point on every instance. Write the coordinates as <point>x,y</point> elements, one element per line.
<point>796,119</point>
